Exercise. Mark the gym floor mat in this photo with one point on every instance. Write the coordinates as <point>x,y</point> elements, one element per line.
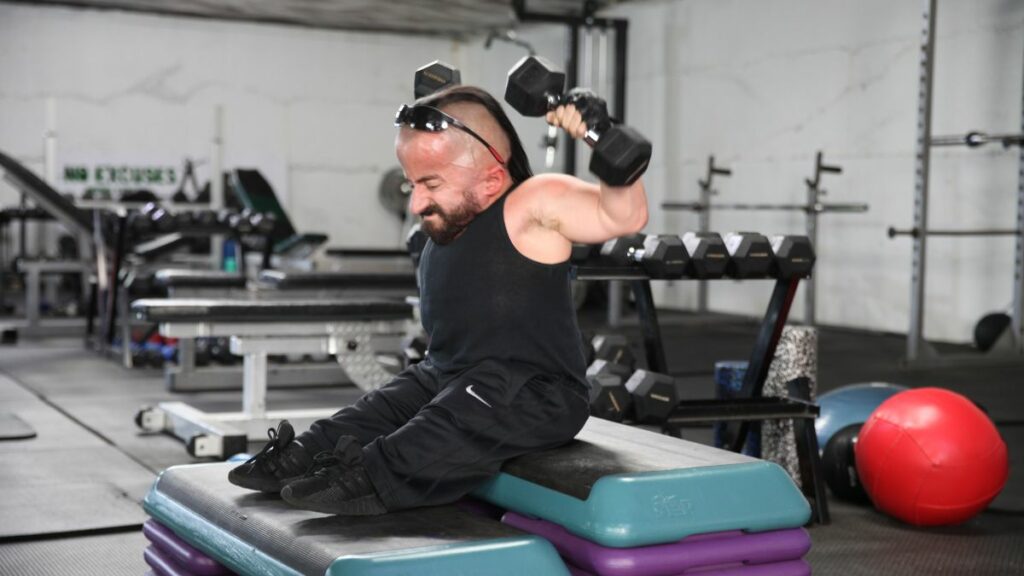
<point>12,428</point>
<point>65,479</point>
<point>863,542</point>
<point>106,554</point>
<point>60,491</point>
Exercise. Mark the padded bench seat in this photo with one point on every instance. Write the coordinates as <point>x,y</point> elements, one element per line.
<point>253,533</point>
<point>267,311</point>
<point>181,278</point>
<point>347,280</point>
<point>621,487</point>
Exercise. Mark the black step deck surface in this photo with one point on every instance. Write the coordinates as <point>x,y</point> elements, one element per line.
<point>308,541</point>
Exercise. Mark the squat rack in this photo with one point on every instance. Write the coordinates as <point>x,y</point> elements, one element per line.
<point>919,350</point>
<point>813,208</point>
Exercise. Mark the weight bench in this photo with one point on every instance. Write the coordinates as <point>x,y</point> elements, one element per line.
<point>184,376</point>
<point>257,329</point>
<point>617,500</point>
<point>34,325</point>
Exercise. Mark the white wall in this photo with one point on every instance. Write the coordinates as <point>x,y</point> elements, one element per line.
<point>312,109</point>
<point>763,85</point>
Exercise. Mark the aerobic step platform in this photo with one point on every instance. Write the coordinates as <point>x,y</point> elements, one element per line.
<point>252,533</point>
<point>624,487</point>
<point>705,553</point>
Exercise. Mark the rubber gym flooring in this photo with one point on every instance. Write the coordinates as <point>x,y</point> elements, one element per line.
<point>70,496</point>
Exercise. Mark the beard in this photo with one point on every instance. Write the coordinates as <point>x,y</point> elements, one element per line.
<point>450,223</point>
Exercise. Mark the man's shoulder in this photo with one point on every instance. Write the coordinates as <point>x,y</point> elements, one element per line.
<point>534,190</point>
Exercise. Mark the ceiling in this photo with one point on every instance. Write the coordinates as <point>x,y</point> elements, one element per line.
<point>433,17</point>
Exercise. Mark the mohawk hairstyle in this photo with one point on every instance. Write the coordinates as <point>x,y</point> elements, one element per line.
<point>518,164</point>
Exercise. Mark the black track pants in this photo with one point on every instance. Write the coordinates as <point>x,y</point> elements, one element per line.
<point>430,438</point>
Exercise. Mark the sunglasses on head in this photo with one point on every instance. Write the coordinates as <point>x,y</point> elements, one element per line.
<point>430,119</point>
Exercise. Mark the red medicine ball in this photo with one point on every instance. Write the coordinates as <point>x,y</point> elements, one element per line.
<point>931,457</point>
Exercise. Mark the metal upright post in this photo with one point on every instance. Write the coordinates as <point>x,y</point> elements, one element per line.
<point>217,186</point>
<point>32,300</point>
<point>254,384</point>
<point>922,158</point>
<point>615,292</point>
<point>813,210</point>
<point>810,304</point>
<point>704,225</point>
<point>1017,314</point>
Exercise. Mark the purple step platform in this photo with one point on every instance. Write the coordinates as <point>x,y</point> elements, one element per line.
<point>179,553</point>
<point>704,552</point>
<point>161,564</point>
<point>787,568</point>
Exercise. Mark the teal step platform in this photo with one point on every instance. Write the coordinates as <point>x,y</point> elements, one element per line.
<point>253,533</point>
<point>623,487</point>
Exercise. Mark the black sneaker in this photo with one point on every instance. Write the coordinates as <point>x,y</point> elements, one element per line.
<point>282,460</point>
<point>336,484</point>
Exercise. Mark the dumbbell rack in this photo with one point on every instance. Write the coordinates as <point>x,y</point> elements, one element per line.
<point>109,299</point>
<point>813,209</point>
<point>750,405</point>
<point>768,335</point>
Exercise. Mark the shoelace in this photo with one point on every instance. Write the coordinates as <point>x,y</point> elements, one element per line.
<point>272,434</point>
<point>323,462</point>
<point>336,469</point>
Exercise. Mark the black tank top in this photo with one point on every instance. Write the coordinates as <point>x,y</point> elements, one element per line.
<point>480,299</point>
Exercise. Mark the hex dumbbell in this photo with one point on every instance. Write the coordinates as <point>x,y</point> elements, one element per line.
<point>708,255</point>
<point>434,77</point>
<point>583,252</point>
<point>662,255</point>
<point>160,219</point>
<point>609,398</point>
<point>794,256</point>
<point>654,396</point>
<point>620,154</point>
<point>614,348</point>
<point>750,255</point>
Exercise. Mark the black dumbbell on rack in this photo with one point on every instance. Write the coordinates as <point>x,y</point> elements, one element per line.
<point>139,223</point>
<point>750,255</point>
<point>614,348</point>
<point>709,258</point>
<point>661,256</point>
<point>241,222</point>
<point>583,252</point>
<point>609,398</point>
<point>161,221</point>
<point>654,396</point>
<point>794,256</point>
<point>263,223</point>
